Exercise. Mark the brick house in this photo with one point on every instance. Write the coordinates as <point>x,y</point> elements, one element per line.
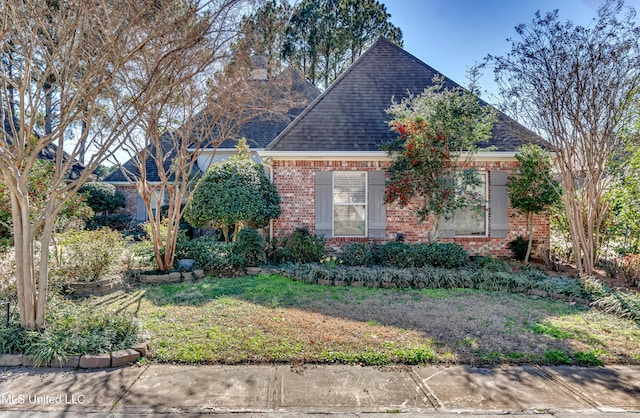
<point>326,163</point>
<point>330,172</point>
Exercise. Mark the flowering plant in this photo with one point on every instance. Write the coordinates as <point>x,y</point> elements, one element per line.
<point>330,262</point>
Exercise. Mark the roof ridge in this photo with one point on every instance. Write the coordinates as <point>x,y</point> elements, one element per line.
<point>346,73</point>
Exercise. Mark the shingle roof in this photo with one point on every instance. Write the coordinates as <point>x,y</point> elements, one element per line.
<point>259,131</point>
<point>150,165</point>
<point>350,115</point>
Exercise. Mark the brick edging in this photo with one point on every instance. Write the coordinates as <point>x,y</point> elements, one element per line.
<point>87,361</point>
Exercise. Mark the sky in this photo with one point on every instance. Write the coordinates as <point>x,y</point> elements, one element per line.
<point>452,35</point>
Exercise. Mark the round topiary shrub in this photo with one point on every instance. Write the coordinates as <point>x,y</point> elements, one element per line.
<point>234,192</point>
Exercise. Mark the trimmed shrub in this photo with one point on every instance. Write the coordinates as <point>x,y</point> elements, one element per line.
<point>491,263</point>
<point>208,253</point>
<point>299,247</point>
<point>394,254</point>
<point>103,197</point>
<point>519,247</point>
<point>357,254</point>
<point>232,192</point>
<point>89,255</point>
<point>401,255</point>
<point>249,247</point>
<point>447,255</point>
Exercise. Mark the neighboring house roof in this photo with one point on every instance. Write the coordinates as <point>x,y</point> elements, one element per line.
<point>49,153</point>
<point>151,167</point>
<point>351,114</point>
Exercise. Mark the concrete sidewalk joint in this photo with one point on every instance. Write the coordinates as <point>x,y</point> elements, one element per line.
<point>322,389</point>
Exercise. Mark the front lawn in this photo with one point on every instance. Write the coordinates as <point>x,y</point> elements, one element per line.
<point>271,318</point>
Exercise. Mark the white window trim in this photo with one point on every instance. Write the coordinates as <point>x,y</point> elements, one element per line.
<point>365,204</point>
<point>486,210</point>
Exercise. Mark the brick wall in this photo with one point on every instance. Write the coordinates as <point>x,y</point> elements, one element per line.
<point>295,181</point>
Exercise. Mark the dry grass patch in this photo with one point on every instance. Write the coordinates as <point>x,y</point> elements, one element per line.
<point>274,319</point>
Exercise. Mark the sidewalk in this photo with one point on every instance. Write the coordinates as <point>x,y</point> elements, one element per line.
<point>158,390</point>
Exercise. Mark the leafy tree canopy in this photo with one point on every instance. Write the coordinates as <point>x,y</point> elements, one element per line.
<point>103,197</point>
<point>577,87</point>
<point>320,38</point>
<point>531,188</point>
<point>39,183</point>
<point>438,133</point>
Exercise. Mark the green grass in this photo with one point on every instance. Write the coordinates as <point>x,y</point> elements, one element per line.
<point>267,319</point>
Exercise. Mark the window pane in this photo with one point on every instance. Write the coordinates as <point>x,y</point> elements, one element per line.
<point>469,222</point>
<point>349,221</point>
<point>349,187</point>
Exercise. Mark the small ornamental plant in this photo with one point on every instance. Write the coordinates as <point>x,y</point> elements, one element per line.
<point>330,262</point>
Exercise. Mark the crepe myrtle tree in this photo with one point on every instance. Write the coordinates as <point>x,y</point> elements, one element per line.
<point>576,87</point>
<point>438,132</point>
<point>531,188</point>
<point>75,209</point>
<point>236,192</point>
<point>209,91</point>
<point>92,50</point>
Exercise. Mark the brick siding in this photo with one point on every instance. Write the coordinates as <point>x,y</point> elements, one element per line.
<point>295,180</point>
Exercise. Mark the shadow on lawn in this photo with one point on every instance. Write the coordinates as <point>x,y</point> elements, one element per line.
<point>478,327</point>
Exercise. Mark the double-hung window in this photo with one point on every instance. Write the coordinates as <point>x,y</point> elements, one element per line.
<point>349,203</point>
<point>472,222</point>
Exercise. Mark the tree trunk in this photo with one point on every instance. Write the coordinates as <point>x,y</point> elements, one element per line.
<point>530,231</point>
<point>225,233</point>
<point>45,241</point>
<point>48,108</point>
<point>435,229</point>
<point>173,227</point>
<point>23,243</point>
<point>84,132</point>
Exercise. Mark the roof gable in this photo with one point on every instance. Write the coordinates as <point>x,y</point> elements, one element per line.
<point>351,114</point>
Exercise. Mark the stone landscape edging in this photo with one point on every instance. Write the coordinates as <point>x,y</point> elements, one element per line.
<point>173,277</point>
<point>99,288</point>
<point>86,361</point>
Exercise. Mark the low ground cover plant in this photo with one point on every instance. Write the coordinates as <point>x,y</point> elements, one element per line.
<point>487,273</point>
<point>72,329</point>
